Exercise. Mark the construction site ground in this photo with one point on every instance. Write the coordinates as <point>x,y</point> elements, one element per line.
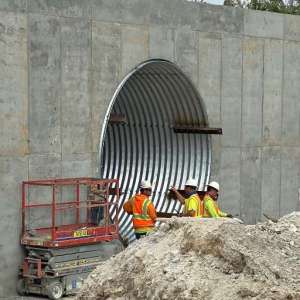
<point>31,297</point>
<point>193,258</point>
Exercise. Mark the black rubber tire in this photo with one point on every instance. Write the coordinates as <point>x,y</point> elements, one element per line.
<point>55,290</point>
<point>21,288</point>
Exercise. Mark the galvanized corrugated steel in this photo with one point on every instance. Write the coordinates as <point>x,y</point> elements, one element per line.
<point>154,97</point>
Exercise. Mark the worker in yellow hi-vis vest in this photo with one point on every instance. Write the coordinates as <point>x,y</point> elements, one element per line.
<point>211,208</point>
<point>192,202</point>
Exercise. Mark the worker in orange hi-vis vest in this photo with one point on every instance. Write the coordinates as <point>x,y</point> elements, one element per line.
<point>211,208</point>
<point>142,210</point>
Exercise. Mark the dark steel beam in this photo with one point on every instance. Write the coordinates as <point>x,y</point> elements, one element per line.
<point>196,129</point>
<point>117,119</point>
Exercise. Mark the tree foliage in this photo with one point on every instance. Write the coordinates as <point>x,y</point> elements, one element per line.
<point>279,6</point>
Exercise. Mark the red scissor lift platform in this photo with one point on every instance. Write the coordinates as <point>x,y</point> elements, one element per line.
<point>82,230</point>
<point>69,226</point>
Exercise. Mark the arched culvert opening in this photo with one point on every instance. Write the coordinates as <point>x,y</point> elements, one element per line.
<point>139,142</point>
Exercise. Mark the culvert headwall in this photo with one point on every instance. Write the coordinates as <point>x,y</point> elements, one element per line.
<point>62,61</point>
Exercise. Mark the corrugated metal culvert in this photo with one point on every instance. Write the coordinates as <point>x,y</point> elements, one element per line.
<point>152,99</point>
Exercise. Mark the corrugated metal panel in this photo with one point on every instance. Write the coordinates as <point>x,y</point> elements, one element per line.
<point>154,97</point>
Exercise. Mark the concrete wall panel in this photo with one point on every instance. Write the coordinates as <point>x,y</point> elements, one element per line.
<point>209,86</point>
<point>216,142</point>
<point>51,166</point>
<point>161,42</point>
<point>11,253</point>
<point>12,171</point>
<point>252,92</point>
<point>135,47</point>
<point>228,20</point>
<point>186,51</point>
<point>270,186</point>
<point>170,12</point>
<point>250,184</point>
<point>263,24</point>
<point>173,13</point>
<point>106,49</point>
<point>230,184</point>
<point>106,69</point>
<point>292,28</point>
<point>272,97</point>
<point>209,68</point>
<point>290,179</point>
<point>291,96</point>
<point>13,5</point>
<point>45,84</point>
<point>231,92</point>
<point>63,8</point>
<point>13,85</point>
<point>132,11</point>
<point>75,101</point>
<point>101,94</point>
<point>156,12</point>
<point>77,165</point>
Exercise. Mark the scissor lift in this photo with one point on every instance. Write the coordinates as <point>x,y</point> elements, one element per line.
<point>69,226</point>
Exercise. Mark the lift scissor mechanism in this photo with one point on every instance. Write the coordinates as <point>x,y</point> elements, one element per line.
<point>67,230</point>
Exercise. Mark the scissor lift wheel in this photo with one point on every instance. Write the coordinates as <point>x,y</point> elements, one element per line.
<point>55,290</point>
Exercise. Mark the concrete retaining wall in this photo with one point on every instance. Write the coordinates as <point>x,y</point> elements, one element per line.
<point>61,61</point>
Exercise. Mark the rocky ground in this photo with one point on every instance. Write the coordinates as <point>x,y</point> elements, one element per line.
<point>188,258</point>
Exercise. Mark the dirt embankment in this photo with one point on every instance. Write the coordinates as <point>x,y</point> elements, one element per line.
<point>205,259</point>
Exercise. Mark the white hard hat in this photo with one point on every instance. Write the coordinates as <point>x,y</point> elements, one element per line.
<point>214,185</point>
<point>191,182</point>
<point>145,184</point>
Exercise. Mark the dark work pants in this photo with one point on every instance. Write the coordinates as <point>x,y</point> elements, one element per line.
<point>97,214</point>
<point>138,235</point>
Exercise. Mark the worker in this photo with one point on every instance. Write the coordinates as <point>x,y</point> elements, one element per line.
<point>96,197</point>
<point>142,210</point>
<point>211,208</point>
<point>192,204</point>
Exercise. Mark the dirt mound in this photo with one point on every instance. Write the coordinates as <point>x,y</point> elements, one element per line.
<point>189,258</point>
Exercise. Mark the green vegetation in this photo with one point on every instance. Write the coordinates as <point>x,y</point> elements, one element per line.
<point>279,6</point>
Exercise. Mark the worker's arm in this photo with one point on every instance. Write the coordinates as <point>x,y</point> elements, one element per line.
<point>210,207</point>
<point>222,214</point>
<point>178,195</point>
<point>190,213</point>
<point>152,212</point>
<point>128,206</point>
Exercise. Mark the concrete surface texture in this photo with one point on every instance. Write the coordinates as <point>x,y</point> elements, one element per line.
<point>62,60</point>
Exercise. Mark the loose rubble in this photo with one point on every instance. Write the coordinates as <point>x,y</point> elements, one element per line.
<point>188,258</point>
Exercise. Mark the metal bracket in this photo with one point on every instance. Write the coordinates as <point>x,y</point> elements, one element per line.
<point>196,129</point>
<point>117,119</point>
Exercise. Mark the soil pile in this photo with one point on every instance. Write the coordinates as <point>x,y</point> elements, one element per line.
<point>188,258</point>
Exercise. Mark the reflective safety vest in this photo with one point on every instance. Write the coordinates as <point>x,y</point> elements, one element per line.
<point>140,217</point>
<point>216,212</point>
<point>201,207</point>
<point>194,203</point>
